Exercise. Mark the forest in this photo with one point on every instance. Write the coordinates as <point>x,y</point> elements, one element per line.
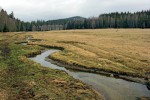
<point>140,19</point>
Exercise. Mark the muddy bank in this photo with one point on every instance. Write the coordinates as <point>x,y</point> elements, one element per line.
<point>75,67</point>
<point>125,76</point>
<point>52,47</point>
<point>33,54</point>
<point>110,87</point>
<point>70,85</point>
<point>131,78</point>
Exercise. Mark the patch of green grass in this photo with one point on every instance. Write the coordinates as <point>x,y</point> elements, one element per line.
<point>21,78</point>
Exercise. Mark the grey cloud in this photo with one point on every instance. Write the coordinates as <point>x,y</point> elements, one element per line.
<point>28,10</point>
<point>0,8</point>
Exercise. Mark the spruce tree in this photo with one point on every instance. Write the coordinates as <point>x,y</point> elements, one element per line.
<point>5,29</point>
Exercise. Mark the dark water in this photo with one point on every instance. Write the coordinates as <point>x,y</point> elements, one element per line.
<point>110,88</point>
<point>24,43</point>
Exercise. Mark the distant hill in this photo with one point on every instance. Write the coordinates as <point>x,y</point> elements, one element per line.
<point>65,20</point>
<point>75,18</point>
<point>71,18</point>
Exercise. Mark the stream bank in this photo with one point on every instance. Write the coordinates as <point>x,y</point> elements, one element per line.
<point>111,87</point>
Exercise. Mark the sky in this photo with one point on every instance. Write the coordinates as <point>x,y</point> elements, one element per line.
<point>29,10</point>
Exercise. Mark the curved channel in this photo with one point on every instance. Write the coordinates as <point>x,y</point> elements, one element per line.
<point>110,88</point>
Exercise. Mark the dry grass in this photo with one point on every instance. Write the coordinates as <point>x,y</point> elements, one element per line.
<point>23,79</point>
<point>125,50</point>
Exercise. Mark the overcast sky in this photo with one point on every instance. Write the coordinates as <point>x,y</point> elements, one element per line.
<point>28,10</point>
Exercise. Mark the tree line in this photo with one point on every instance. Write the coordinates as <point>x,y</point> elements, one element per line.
<point>8,23</point>
<point>113,20</point>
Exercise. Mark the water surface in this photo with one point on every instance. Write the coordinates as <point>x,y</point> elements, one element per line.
<point>110,88</point>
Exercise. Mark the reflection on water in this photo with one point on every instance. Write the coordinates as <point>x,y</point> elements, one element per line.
<point>111,88</point>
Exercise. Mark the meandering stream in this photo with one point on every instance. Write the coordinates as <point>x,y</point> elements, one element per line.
<point>111,88</point>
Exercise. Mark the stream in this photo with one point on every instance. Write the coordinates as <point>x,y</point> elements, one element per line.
<point>111,88</point>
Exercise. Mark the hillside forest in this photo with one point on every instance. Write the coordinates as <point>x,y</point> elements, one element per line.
<point>141,19</point>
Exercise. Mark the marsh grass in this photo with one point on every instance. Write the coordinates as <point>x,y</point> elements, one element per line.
<point>123,51</point>
<point>23,79</point>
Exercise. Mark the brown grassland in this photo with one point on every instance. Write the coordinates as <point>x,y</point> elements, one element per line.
<point>122,51</point>
<point>23,79</point>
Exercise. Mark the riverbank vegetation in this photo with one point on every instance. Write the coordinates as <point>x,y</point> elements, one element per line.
<point>121,51</point>
<point>23,79</point>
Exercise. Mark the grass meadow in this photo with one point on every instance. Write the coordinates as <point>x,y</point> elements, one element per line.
<point>23,79</point>
<point>123,51</point>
